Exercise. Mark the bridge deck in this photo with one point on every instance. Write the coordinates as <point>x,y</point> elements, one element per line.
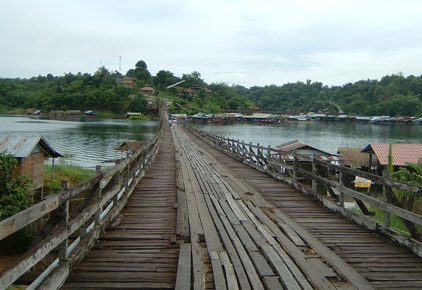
<point>382,263</point>
<point>140,252</point>
<point>237,228</point>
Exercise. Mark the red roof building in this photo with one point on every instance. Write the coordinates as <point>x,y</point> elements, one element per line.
<point>253,107</point>
<point>147,90</point>
<point>402,153</point>
<point>129,81</point>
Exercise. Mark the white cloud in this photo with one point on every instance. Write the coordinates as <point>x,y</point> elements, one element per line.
<point>250,42</point>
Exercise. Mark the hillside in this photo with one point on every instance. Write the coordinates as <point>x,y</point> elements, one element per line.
<point>106,91</point>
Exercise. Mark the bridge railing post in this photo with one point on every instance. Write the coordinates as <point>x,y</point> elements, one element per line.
<point>315,173</point>
<point>341,182</point>
<point>65,222</point>
<point>386,200</point>
<point>97,198</point>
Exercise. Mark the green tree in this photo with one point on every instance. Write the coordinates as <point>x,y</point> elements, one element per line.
<point>15,190</point>
<point>141,72</point>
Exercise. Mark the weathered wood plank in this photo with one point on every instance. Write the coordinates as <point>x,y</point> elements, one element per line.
<point>184,267</point>
<point>27,216</point>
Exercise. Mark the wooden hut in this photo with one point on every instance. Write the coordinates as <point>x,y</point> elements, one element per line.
<point>353,157</point>
<point>401,153</point>
<point>74,112</point>
<point>30,153</point>
<point>129,147</point>
<point>302,148</point>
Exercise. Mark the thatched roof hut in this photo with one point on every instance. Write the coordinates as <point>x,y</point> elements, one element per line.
<point>354,157</point>
<point>129,146</point>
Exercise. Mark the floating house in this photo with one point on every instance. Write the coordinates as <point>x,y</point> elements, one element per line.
<point>90,114</point>
<point>30,153</point>
<point>179,116</point>
<point>227,117</point>
<point>299,119</point>
<point>259,118</point>
<point>302,148</point>
<point>382,120</point>
<point>74,112</point>
<point>201,117</point>
<point>363,119</point>
<point>134,114</point>
<point>57,113</point>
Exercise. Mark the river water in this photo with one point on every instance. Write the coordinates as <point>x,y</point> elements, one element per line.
<point>90,141</point>
<point>86,142</point>
<point>328,136</point>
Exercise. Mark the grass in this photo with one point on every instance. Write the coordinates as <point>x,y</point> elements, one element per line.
<point>395,221</point>
<point>16,111</point>
<point>74,174</point>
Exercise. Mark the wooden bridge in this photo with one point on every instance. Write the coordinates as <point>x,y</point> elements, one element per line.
<point>193,211</point>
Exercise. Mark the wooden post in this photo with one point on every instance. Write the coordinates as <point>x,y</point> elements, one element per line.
<point>341,181</point>
<point>97,197</point>
<point>386,199</point>
<point>294,169</point>
<point>314,172</point>
<point>64,222</point>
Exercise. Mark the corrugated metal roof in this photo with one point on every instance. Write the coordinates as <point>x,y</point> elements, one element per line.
<point>296,144</point>
<point>402,153</point>
<point>21,147</point>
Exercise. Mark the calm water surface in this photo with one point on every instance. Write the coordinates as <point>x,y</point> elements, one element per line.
<point>89,142</point>
<point>84,141</point>
<point>328,136</point>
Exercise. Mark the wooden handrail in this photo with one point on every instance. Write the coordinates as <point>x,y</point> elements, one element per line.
<point>103,195</point>
<point>267,159</point>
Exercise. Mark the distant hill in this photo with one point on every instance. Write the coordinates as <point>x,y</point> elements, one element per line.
<point>109,91</point>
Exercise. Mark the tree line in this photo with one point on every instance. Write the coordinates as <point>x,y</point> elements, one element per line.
<point>391,95</point>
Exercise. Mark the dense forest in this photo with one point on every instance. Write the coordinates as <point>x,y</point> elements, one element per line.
<point>105,91</point>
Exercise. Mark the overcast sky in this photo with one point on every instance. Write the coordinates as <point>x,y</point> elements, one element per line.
<point>246,42</point>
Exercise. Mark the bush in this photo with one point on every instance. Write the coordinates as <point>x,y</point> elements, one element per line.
<point>15,190</point>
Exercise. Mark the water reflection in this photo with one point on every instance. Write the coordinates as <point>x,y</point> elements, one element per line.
<point>85,141</point>
<point>328,136</point>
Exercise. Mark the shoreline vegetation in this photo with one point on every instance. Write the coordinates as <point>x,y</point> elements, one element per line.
<point>113,93</point>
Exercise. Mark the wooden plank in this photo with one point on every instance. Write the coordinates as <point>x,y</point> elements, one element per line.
<point>195,232</point>
<point>326,271</point>
<point>245,238</point>
<point>228,268</point>
<point>250,270</point>
<point>182,227</point>
<point>341,267</point>
<point>184,267</point>
<point>228,212</point>
<point>272,283</point>
<point>285,275</point>
<point>261,264</point>
<point>27,216</point>
<point>293,236</point>
<point>219,279</point>
<point>240,271</point>
<point>314,274</point>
